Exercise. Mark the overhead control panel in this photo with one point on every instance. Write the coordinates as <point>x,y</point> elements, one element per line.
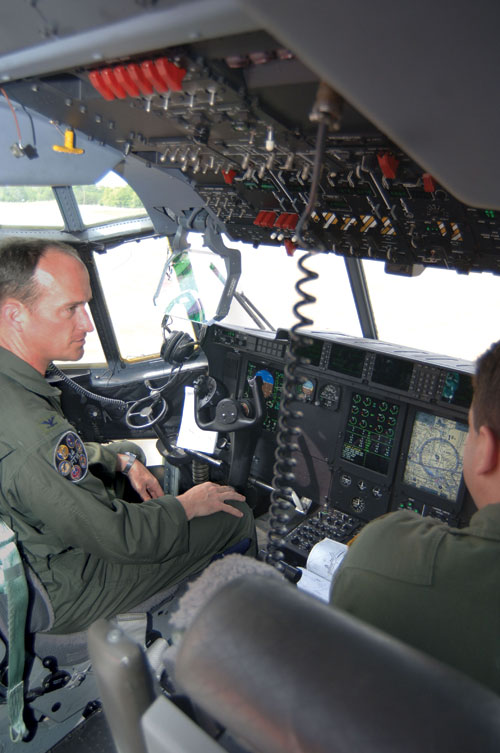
<point>231,119</point>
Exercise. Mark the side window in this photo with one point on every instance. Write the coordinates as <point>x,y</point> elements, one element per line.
<point>129,277</point>
<point>29,207</point>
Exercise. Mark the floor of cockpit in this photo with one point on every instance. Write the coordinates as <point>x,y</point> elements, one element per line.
<point>92,734</point>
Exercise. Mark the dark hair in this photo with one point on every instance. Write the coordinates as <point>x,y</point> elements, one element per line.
<point>18,261</point>
<point>486,400</point>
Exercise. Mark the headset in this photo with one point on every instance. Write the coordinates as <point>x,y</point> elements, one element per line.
<point>178,347</point>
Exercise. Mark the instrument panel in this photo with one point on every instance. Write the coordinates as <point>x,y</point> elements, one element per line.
<point>381,427</point>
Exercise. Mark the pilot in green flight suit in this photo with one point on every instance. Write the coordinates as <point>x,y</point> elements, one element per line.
<point>430,585</point>
<point>96,554</point>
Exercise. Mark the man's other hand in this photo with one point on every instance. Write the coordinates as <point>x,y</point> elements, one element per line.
<point>141,479</point>
<point>207,498</point>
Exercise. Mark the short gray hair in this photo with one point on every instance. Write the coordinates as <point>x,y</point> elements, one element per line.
<point>18,261</point>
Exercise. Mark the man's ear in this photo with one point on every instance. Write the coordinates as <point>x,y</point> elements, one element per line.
<point>488,451</point>
<point>14,313</point>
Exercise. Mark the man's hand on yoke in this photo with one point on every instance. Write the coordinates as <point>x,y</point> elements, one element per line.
<point>207,498</point>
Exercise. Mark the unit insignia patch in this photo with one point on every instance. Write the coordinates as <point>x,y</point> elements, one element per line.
<point>70,457</point>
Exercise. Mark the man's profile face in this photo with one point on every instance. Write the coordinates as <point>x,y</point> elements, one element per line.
<point>58,320</point>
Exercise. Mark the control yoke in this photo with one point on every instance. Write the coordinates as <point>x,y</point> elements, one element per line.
<point>243,417</point>
<point>230,414</point>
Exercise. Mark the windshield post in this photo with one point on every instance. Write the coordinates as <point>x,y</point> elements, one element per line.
<point>232,261</point>
<point>361,297</point>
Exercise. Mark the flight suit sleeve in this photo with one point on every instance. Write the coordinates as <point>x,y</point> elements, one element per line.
<point>84,514</point>
<point>102,457</point>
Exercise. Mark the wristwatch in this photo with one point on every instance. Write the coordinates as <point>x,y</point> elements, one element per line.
<point>131,460</point>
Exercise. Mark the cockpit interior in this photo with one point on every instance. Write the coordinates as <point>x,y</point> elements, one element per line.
<point>211,161</point>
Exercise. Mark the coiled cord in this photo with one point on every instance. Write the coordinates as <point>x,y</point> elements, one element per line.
<point>110,401</point>
<point>282,506</point>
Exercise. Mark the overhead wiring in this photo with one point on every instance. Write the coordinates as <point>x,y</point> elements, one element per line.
<point>14,115</point>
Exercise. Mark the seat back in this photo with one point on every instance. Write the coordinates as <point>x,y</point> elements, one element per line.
<point>67,649</point>
<point>286,672</point>
<point>58,682</point>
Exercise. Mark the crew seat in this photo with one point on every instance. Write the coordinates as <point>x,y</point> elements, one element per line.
<point>283,673</point>
<point>59,684</point>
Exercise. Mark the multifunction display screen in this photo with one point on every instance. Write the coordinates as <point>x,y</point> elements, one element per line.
<point>347,360</point>
<point>370,432</point>
<point>435,455</point>
<point>392,372</point>
<point>310,350</point>
<point>272,386</point>
<point>457,389</point>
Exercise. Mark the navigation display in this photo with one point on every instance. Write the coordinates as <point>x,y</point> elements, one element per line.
<point>435,455</point>
<point>272,385</point>
<point>370,432</point>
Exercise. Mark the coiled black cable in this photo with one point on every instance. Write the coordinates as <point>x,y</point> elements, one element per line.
<point>110,401</point>
<point>282,506</point>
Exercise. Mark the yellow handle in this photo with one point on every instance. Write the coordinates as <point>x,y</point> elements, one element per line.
<point>69,141</point>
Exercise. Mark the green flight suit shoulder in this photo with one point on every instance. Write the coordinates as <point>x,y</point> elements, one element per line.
<point>433,586</point>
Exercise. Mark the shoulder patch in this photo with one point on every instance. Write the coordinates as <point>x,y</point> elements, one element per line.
<point>70,457</point>
<point>50,422</point>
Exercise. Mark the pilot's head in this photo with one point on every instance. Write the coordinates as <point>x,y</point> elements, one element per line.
<point>44,290</point>
<point>482,448</point>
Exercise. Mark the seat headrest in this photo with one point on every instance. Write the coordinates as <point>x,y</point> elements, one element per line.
<point>286,672</point>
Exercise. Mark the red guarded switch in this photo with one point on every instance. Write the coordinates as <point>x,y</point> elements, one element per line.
<point>265,218</point>
<point>98,84</point>
<point>125,79</point>
<point>138,77</point>
<point>429,183</point>
<point>154,77</point>
<point>229,176</point>
<point>388,164</point>
<point>170,73</point>
<point>287,221</point>
<point>109,78</point>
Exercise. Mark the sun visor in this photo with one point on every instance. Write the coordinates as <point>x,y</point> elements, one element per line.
<point>28,156</point>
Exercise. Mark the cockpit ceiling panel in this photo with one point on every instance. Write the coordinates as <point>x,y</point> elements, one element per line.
<point>56,35</point>
<point>426,74</point>
<point>211,104</point>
